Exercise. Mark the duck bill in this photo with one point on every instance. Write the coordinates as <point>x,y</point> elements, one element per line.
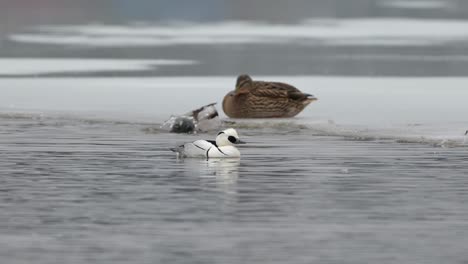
<point>240,142</point>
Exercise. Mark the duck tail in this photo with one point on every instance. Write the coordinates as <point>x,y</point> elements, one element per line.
<point>309,98</point>
<point>178,149</point>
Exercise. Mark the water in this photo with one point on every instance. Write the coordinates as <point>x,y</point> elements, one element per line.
<point>373,172</point>
<point>76,192</point>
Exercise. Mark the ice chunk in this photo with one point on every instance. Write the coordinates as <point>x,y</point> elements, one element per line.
<point>203,119</point>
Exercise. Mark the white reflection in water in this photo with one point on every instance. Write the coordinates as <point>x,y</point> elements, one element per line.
<point>223,173</point>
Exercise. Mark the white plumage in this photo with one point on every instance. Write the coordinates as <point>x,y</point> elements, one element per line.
<point>222,147</point>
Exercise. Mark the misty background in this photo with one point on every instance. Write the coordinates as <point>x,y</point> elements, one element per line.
<point>292,58</point>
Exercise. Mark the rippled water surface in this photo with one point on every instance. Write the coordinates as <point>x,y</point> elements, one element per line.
<point>76,192</point>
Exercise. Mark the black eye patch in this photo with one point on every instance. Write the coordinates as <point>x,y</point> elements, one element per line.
<point>232,139</point>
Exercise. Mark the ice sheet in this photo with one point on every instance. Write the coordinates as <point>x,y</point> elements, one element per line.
<point>24,66</point>
<point>363,31</point>
<point>407,108</point>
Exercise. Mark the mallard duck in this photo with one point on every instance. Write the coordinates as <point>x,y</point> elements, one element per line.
<point>259,99</point>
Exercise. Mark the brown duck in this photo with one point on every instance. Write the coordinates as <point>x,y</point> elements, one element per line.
<point>259,99</point>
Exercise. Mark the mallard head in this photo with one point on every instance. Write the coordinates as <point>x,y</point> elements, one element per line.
<point>244,82</point>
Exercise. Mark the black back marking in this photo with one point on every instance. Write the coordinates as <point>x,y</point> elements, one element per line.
<point>207,153</point>
<point>198,146</point>
<point>212,142</point>
<point>221,151</point>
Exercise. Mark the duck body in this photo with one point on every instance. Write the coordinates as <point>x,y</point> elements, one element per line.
<point>222,147</point>
<point>260,99</point>
<point>208,149</point>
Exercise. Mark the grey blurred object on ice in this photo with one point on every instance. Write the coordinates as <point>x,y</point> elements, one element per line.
<point>203,119</point>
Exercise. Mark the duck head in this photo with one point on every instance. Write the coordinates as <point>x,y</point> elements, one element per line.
<point>231,101</point>
<point>228,137</point>
<point>243,83</point>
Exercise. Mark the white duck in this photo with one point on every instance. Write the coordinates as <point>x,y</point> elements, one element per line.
<point>222,147</point>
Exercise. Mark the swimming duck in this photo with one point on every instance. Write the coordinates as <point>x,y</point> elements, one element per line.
<point>222,147</point>
<point>259,99</point>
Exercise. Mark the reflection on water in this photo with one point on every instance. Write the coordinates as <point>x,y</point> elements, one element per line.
<point>226,172</point>
<point>222,173</point>
<point>222,169</point>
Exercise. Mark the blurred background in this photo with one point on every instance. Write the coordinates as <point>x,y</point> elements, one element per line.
<point>228,37</point>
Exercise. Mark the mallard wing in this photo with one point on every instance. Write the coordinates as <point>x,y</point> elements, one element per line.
<point>277,90</point>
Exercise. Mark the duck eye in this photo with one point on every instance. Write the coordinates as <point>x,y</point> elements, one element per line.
<point>232,139</point>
